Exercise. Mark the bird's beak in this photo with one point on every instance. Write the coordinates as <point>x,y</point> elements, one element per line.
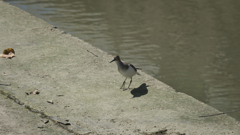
<point>112,61</point>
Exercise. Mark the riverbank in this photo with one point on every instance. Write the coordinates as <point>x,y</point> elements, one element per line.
<point>79,89</point>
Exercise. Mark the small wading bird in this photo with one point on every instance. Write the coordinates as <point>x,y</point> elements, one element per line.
<point>126,69</point>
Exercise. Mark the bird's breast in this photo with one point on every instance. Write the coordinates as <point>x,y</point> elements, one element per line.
<point>128,72</point>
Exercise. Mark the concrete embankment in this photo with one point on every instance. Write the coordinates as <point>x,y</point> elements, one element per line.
<point>79,89</point>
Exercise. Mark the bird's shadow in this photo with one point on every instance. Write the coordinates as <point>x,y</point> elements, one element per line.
<point>140,91</point>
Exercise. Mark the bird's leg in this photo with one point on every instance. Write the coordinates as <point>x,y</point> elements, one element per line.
<point>130,83</point>
<point>123,84</point>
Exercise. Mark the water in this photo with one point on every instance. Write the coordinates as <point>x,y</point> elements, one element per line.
<point>190,45</point>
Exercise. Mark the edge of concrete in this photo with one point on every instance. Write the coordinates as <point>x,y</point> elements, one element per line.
<point>85,90</point>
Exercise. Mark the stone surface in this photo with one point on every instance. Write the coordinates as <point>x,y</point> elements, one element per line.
<point>17,120</point>
<point>85,86</point>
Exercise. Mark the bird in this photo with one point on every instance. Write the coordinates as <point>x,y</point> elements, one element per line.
<point>126,69</point>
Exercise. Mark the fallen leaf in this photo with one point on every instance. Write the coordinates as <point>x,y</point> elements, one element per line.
<point>8,50</point>
<point>35,92</point>
<point>8,53</point>
<point>32,93</point>
<point>41,127</point>
<point>5,84</point>
<point>45,122</point>
<point>50,101</point>
<point>64,123</point>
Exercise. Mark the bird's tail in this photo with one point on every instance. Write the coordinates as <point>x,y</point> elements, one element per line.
<point>138,69</point>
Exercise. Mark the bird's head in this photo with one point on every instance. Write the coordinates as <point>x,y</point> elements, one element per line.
<point>116,58</point>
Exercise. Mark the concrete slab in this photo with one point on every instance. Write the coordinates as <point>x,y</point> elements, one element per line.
<point>17,120</point>
<point>84,86</point>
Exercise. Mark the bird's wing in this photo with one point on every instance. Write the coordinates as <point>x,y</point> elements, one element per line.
<point>134,68</point>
